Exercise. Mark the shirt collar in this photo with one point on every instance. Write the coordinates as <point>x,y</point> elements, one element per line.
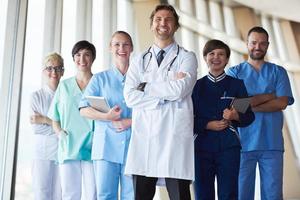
<point>48,89</point>
<point>156,49</point>
<point>118,74</point>
<point>216,79</point>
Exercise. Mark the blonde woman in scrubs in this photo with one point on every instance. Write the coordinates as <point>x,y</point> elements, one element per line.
<point>75,132</point>
<point>45,176</point>
<point>112,129</point>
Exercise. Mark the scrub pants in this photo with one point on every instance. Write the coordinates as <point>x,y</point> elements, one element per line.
<point>224,166</point>
<point>270,165</point>
<point>74,175</point>
<point>45,178</point>
<point>108,175</point>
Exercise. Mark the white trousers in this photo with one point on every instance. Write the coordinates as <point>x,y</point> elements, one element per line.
<point>77,176</point>
<point>45,178</point>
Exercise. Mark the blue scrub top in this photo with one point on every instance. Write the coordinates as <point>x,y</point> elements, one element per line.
<point>265,133</point>
<point>108,144</point>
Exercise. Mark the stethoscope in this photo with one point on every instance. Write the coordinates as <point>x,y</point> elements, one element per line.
<point>149,52</point>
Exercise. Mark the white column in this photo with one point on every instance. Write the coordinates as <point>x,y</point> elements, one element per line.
<point>266,24</point>
<point>103,24</point>
<point>125,16</point>
<point>83,20</point>
<point>187,36</point>
<point>172,2</point>
<point>201,11</point>
<point>279,38</point>
<point>292,117</point>
<point>202,14</point>
<point>216,18</point>
<point>10,92</point>
<point>202,66</point>
<point>231,30</point>
<point>52,26</point>
<point>186,6</point>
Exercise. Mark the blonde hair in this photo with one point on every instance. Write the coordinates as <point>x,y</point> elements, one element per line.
<point>124,33</point>
<point>53,57</point>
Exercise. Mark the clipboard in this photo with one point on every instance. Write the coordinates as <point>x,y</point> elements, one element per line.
<point>99,103</point>
<point>241,104</point>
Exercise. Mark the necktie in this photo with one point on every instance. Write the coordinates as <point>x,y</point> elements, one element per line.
<point>160,56</point>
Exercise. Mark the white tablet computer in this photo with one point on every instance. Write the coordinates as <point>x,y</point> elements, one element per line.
<point>99,103</point>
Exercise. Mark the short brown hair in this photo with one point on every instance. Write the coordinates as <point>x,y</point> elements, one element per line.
<point>215,44</point>
<point>83,44</point>
<point>258,29</point>
<point>165,7</point>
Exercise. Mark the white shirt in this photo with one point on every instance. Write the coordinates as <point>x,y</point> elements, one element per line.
<point>45,140</point>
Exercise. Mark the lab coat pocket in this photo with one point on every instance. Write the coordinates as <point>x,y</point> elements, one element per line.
<point>183,122</point>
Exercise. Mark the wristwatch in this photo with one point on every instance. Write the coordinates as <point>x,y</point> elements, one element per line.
<point>141,86</point>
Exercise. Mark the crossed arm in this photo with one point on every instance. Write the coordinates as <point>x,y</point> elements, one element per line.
<point>268,103</point>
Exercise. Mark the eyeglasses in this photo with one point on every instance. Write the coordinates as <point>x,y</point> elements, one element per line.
<point>54,69</point>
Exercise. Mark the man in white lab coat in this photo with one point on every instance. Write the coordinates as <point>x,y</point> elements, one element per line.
<point>158,87</point>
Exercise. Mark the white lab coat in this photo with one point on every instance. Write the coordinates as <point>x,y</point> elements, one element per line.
<point>162,142</point>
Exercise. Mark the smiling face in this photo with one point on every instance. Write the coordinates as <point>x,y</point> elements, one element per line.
<point>216,60</point>
<point>164,25</point>
<point>121,48</point>
<point>257,45</point>
<point>83,60</point>
<point>53,71</point>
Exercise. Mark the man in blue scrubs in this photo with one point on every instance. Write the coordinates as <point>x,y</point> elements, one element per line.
<point>262,141</point>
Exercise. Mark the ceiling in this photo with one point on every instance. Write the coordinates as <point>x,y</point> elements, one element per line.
<point>287,9</point>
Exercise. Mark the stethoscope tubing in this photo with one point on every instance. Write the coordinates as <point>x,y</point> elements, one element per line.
<point>149,52</point>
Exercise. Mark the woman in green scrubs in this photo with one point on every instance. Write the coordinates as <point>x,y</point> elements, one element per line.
<point>75,132</point>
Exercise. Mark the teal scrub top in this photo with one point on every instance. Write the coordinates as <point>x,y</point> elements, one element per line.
<point>64,108</point>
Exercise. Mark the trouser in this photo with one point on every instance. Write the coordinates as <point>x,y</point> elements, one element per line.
<point>144,188</point>
<point>270,165</point>
<point>108,175</point>
<point>45,178</point>
<point>75,175</point>
<point>221,165</point>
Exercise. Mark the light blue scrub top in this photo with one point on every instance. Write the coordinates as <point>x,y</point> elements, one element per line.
<point>265,133</point>
<point>108,144</point>
<point>64,108</point>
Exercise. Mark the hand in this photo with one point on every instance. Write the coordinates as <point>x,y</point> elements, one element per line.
<point>114,113</point>
<point>37,118</point>
<point>217,125</point>
<point>62,134</point>
<point>180,75</point>
<point>231,114</point>
<point>121,125</point>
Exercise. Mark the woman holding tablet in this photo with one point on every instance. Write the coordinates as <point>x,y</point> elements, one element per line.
<point>217,146</point>
<point>112,128</point>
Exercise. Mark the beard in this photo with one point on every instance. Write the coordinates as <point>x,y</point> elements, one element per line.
<point>259,56</point>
